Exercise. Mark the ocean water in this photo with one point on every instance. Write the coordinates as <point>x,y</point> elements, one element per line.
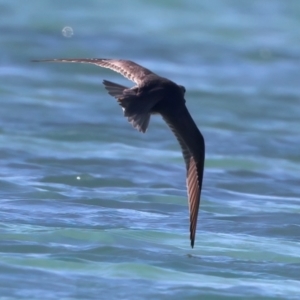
<point>92,209</point>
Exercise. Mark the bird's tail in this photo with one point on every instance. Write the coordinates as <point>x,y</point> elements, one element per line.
<point>114,89</point>
<point>134,109</point>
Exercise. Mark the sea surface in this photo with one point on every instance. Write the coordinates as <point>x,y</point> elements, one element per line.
<point>92,209</point>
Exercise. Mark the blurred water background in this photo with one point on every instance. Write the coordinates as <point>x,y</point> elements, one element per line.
<point>92,209</point>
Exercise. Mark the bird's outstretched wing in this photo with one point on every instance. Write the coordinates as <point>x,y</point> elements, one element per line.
<point>193,149</point>
<point>127,68</point>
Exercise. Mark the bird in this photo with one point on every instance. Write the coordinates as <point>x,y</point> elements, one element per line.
<point>154,94</point>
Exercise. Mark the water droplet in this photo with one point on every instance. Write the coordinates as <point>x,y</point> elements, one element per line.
<point>67,31</point>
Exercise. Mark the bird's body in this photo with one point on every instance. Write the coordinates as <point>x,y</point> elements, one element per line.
<point>158,95</point>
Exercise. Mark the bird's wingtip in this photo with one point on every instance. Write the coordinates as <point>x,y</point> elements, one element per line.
<point>42,60</point>
<point>192,243</point>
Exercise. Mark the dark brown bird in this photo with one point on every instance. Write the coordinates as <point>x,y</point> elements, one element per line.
<point>157,95</point>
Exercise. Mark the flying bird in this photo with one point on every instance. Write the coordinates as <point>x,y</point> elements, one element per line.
<point>154,94</point>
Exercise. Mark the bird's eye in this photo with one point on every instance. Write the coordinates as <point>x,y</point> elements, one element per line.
<point>183,89</point>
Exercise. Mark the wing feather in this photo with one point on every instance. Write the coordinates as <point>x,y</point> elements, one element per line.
<point>193,149</point>
<point>127,68</point>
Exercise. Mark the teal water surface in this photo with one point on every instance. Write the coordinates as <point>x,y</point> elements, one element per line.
<point>92,209</point>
